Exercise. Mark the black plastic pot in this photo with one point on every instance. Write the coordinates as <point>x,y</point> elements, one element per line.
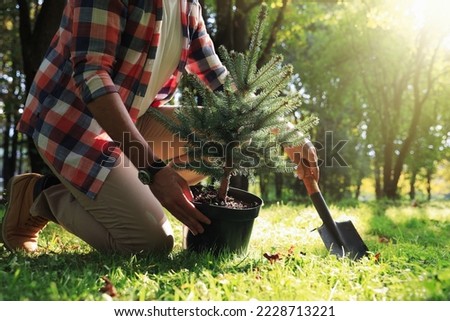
<point>230,229</point>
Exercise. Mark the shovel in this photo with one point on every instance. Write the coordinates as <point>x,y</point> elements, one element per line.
<point>340,238</point>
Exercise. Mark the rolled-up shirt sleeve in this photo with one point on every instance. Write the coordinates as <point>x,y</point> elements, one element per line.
<point>202,59</point>
<point>96,32</point>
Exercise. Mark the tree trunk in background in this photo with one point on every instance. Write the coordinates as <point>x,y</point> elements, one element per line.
<point>278,185</point>
<point>412,186</point>
<point>224,22</point>
<point>273,30</point>
<point>358,190</point>
<point>429,176</point>
<point>378,191</point>
<point>263,185</point>
<point>239,181</point>
<point>35,36</point>
<point>389,190</point>
<point>9,148</point>
<point>241,31</point>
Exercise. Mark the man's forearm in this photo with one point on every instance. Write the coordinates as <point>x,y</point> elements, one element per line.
<point>111,114</point>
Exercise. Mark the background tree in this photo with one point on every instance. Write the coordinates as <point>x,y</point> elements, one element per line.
<point>371,72</point>
<point>430,148</point>
<point>399,72</point>
<point>307,43</point>
<point>39,20</point>
<point>12,89</point>
<point>27,28</point>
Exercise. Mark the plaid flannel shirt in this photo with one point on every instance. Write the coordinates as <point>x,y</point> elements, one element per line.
<point>101,47</point>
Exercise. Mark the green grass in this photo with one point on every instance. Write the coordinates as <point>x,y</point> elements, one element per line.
<point>410,260</point>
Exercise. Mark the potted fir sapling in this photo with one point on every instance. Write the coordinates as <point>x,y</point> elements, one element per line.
<point>237,130</point>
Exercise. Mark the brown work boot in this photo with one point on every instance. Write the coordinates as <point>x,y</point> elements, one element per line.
<point>20,230</point>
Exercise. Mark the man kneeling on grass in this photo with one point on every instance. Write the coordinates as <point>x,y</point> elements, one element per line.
<point>86,113</point>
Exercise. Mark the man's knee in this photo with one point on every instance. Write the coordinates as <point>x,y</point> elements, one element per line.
<point>165,246</point>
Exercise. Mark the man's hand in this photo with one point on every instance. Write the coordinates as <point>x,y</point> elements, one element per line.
<point>174,194</point>
<point>305,156</point>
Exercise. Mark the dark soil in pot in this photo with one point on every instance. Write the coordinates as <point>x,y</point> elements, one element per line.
<point>231,226</point>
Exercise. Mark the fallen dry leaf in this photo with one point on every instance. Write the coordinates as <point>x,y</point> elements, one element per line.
<point>377,257</point>
<point>272,257</point>
<point>278,256</point>
<point>108,287</point>
<point>291,250</point>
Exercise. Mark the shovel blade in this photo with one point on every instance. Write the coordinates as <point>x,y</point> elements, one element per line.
<point>353,246</point>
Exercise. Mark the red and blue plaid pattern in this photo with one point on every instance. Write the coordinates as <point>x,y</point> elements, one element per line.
<point>101,47</point>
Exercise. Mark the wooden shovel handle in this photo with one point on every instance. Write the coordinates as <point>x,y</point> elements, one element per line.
<point>311,185</point>
<point>309,180</point>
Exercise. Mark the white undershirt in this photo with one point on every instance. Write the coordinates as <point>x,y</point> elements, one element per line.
<point>168,53</point>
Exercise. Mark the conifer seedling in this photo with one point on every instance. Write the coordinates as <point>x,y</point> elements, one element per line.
<point>243,127</point>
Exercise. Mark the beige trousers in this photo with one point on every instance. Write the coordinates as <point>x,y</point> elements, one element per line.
<point>125,216</point>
